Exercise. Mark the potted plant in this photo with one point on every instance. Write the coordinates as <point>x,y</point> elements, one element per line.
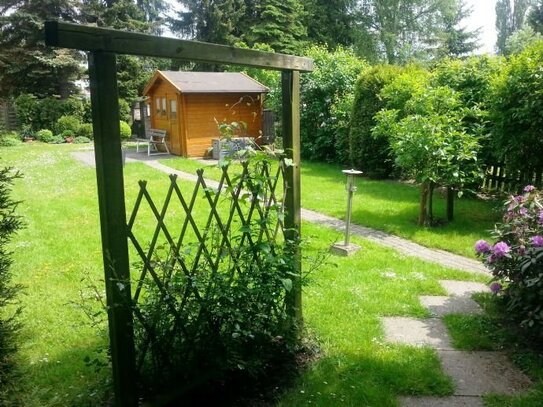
<point>68,136</point>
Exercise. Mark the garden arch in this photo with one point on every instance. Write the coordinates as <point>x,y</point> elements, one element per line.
<point>103,45</point>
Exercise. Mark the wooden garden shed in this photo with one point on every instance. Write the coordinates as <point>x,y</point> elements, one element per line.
<point>188,106</point>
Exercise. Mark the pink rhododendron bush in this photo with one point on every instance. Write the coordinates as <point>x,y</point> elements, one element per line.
<point>516,258</point>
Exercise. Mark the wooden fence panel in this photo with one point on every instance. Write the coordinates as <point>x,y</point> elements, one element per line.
<point>8,116</point>
<point>497,178</point>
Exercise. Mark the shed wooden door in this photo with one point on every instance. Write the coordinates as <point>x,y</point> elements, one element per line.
<point>173,130</point>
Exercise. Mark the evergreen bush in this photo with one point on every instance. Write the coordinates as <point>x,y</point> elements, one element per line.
<point>10,223</point>
<point>81,140</point>
<point>517,112</point>
<point>126,131</point>
<point>44,135</point>
<point>371,154</point>
<point>85,130</point>
<point>69,124</point>
<point>327,97</point>
<point>9,139</point>
<point>44,113</point>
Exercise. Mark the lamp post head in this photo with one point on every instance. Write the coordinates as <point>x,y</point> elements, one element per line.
<point>351,172</point>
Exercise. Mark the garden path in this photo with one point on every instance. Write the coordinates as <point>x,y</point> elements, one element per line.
<point>402,245</point>
<point>473,373</point>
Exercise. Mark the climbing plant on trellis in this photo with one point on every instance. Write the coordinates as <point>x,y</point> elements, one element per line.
<point>103,45</point>
<point>214,278</point>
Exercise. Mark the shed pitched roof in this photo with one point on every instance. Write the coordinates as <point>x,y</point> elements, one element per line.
<point>210,82</point>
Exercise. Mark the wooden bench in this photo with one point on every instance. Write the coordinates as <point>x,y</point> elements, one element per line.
<point>156,137</point>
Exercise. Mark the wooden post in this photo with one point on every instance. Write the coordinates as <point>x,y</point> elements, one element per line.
<point>109,173</point>
<point>290,86</point>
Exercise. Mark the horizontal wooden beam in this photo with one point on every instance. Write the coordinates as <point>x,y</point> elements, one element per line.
<point>86,38</point>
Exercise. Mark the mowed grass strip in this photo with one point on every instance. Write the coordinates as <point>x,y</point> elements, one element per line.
<point>342,306</point>
<point>390,206</point>
<point>342,301</point>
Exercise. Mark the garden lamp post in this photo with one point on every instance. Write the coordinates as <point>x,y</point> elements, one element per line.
<point>346,248</point>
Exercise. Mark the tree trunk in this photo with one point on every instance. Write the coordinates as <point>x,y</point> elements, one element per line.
<point>430,212</point>
<point>450,204</point>
<point>423,202</point>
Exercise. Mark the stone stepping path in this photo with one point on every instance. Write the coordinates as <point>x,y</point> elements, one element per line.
<point>417,332</point>
<point>473,373</point>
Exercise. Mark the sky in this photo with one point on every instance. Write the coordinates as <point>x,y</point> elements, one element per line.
<point>483,16</point>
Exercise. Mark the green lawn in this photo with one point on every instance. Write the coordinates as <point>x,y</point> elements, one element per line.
<point>385,205</point>
<point>342,302</point>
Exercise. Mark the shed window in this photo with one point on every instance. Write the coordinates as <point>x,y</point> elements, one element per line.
<point>164,107</point>
<point>173,109</point>
<point>157,104</point>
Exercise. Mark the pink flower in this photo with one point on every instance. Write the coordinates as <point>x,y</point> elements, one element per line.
<point>537,241</point>
<point>523,211</point>
<point>495,287</point>
<point>482,246</point>
<point>529,188</point>
<point>500,250</point>
<point>540,218</point>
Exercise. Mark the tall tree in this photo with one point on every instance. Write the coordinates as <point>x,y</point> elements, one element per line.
<point>456,40</point>
<point>535,18</point>
<point>141,16</point>
<point>278,23</point>
<point>330,22</point>
<point>26,64</point>
<point>510,17</point>
<point>210,20</point>
<point>403,29</point>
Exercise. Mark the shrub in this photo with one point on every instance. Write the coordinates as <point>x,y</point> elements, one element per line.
<point>516,259</point>
<point>517,112</point>
<point>327,97</point>
<point>126,131</point>
<point>27,111</point>
<point>85,130</point>
<point>369,153</point>
<point>10,223</point>
<point>125,112</point>
<point>68,124</point>
<point>472,78</point>
<point>9,139</point>
<point>81,140</point>
<point>44,113</point>
<point>66,134</point>
<point>430,143</point>
<point>44,135</point>
<point>56,140</point>
<point>235,320</point>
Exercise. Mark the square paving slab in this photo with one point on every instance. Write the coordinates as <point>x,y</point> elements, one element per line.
<point>478,373</point>
<point>463,288</point>
<point>440,306</point>
<point>418,332</point>
<point>453,401</point>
